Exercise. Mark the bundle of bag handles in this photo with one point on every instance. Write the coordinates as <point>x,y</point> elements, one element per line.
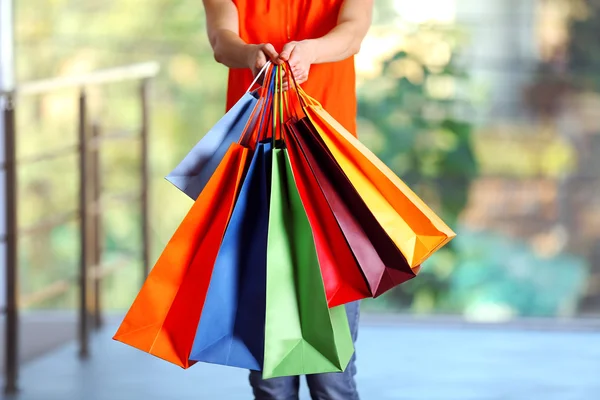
<point>275,106</point>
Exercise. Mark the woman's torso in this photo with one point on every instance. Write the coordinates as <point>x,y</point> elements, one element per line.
<point>281,21</point>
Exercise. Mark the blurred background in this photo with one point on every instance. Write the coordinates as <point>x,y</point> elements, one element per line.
<point>490,110</point>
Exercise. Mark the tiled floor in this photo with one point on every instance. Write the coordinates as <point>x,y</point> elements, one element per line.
<point>408,363</point>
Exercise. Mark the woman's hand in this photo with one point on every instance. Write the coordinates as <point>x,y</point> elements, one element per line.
<point>300,56</point>
<point>259,54</point>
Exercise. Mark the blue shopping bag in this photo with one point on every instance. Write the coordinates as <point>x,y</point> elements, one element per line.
<point>194,171</point>
<point>231,328</point>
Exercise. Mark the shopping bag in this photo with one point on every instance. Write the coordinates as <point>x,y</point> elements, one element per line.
<point>382,264</point>
<point>302,334</point>
<point>195,170</point>
<point>343,278</point>
<point>415,229</point>
<point>163,318</point>
<point>231,329</point>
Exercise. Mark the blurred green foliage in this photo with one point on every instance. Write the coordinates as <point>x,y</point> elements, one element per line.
<point>484,285</point>
<point>60,38</point>
<point>583,49</point>
<point>491,277</point>
<point>412,114</point>
<point>422,140</point>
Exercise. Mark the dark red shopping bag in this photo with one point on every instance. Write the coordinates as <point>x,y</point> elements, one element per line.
<point>343,278</point>
<point>380,260</point>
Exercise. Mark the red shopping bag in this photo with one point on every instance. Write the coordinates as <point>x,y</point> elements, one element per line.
<point>380,261</point>
<point>415,229</point>
<point>343,278</point>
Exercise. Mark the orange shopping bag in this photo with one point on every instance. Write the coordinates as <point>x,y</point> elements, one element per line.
<point>163,318</point>
<point>415,229</point>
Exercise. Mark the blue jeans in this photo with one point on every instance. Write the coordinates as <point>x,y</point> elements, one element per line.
<point>333,386</point>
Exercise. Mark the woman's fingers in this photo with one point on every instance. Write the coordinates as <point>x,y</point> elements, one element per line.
<point>287,51</point>
<point>269,51</point>
<point>301,78</point>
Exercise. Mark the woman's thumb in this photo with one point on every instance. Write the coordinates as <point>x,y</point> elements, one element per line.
<point>287,50</point>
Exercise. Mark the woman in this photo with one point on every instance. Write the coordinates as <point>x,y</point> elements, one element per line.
<point>319,39</point>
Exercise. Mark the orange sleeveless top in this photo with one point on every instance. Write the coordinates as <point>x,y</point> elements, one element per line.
<point>281,21</point>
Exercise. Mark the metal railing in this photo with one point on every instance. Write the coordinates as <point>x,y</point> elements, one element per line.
<point>91,202</point>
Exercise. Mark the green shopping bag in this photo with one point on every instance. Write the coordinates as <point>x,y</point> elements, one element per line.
<point>302,335</point>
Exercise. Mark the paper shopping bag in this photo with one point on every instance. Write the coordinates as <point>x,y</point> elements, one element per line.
<point>232,325</point>
<point>381,262</point>
<point>343,278</point>
<point>197,167</point>
<point>195,170</point>
<point>163,318</point>
<point>415,229</point>
<point>302,334</point>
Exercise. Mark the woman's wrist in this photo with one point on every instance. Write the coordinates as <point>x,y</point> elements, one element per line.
<point>249,54</point>
<point>230,50</point>
<point>311,50</point>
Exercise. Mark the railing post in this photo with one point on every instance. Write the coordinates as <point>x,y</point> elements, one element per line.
<point>11,351</point>
<point>84,315</point>
<point>144,178</point>
<point>96,250</point>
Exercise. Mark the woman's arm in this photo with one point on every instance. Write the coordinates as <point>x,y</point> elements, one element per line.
<point>341,42</point>
<point>222,25</point>
<point>345,39</point>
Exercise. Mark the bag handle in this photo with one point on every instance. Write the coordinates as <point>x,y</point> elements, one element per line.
<point>265,109</point>
<point>296,86</point>
<point>260,107</point>
<point>278,105</point>
<point>310,100</point>
<point>304,98</point>
<point>263,129</point>
<point>281,108</point>
<point>257,77</point>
